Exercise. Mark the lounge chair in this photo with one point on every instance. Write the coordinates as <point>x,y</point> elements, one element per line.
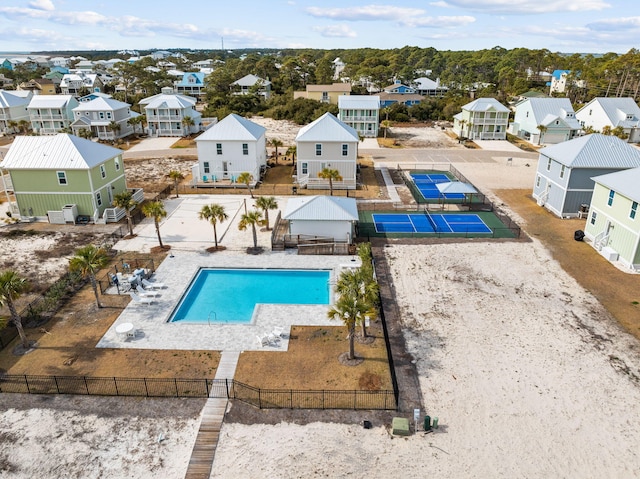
<point>140,299</point>
<point>273,339</point>
<point>143,293</point>
<point>155,285</point>
<point>262,340</point>
<point>278,332</point>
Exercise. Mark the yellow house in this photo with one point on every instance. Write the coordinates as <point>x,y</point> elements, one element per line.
<point>324,93</point>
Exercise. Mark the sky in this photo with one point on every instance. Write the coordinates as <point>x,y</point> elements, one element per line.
<point>569,26</point>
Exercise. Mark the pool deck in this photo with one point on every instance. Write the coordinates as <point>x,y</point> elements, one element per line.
<point>177,271</point>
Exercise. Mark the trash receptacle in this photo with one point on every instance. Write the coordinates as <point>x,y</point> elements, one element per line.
<point>427,423</point>
<point>294,190</point>
<point>435,423</point>
<point>578,235</point>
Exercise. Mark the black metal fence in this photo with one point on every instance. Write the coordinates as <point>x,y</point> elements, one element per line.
<point>199,388</point>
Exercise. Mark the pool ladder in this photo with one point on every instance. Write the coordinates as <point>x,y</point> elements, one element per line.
<point>215,317</point>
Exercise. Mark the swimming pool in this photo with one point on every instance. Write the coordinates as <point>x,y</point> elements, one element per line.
<point>230,295</point>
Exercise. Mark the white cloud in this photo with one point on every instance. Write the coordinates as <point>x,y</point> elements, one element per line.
<point>366,13</point>
<point>440,4</point>
<point>339,31</point>
<point>616,24</point>
<point>42,5</point>
<point>438,22</point>
<point>523,7</point>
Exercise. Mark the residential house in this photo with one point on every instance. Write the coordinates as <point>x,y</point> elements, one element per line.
<point>399,93</point>
<point>85,66</point>
<point>324,93</point>
<point>166,65</point>
<point>361,112</point>
<point>93,96</point>
<point>252,84</point>
<point>77,84</point>
<point>192,84</point>
<point>107,118</point>
<point>59,62</point>
<point>545,121</point>
<point>564,183</point>
<point>230,147</point>
<point>4,81</point>
<point>426,87</point>
<point>338,68</point>
<point>13,108</point>
<point>482,119</point>
<point>613,222</point>
<point>558,81</point>
<point>51,114</point>
<point>39,86</point>
<point>603,113</point>
<point>61,177</point>
<point>169,114</point>
<point>327,143</point>
<point>331,217</point>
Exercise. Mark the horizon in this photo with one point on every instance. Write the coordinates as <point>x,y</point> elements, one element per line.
<point>563,26</point>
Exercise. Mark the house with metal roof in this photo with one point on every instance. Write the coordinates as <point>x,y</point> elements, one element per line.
<point>13,108</point>
<point>564,183</point>
<point>228,148</point>
<point>192,84</point>
<point>613,223</point>
<point>545,121</point>
<point>324,93</point>
<point>252,84</point>
<point>101,115</point>
<point>51,114</point>
<point>482,119</point>
<point>77,83</point>
<point>428,88</point>
<point>166,113</point>
<point>327,143</point>
<point>609,113</point>
<point>58,178</point>
<point>361,112</point>
<point>331,217</point>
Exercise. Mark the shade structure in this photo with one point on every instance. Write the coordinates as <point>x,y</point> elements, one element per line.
<point>456,187</point>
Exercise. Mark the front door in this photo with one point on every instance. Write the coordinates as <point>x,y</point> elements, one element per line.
<point>225,169</point>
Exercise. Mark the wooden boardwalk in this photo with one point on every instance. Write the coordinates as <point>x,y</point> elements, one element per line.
<point>204,449</point>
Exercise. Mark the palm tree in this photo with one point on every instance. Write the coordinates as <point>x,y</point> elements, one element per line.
<point>87,261</point>
<point>176,176</point>
<point>386,124</point>
<point>462,125</point>
<point>276,143</point>
<point>11,287</point>
<point>213,213</point>
<point>134,121</point>
<point>125,201</point>
<point>246,178</point>
<point>85,133</point>
<point>266,203</point>
<point>188,122</point>
<point>24,126</point>
<point>155,210</point>
<point>292,150</point>
<point>13,126</point>
<point>351,310</point>
<point>331,175</point>
<point>252,218</point>
<point>542,129</point>
<point>114,127</point>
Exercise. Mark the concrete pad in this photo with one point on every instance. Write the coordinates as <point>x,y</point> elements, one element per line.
<point>497,145</point>
<point>160,143</point>
<point>369,144</point>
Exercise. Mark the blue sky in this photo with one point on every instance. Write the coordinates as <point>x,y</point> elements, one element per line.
<point>596,26</point>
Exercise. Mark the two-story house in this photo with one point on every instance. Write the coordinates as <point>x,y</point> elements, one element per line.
<point>482,119</point>
<point>564,183</point>
<point>399,93</point>
<point>230,147</point>
<point>170,114</point>
<point>612,112</point>
<point>51,114</point>
<point>545,120</point>
<point>77,83</point>
<point>107,118</point>
<point>361,112</point>
<point>39,86</point>
<point>327,143</point>
<point>428,88</point>
<point>324,93</point>
<point>191,84</point>
<point>13,109</point>
<point>252,84</point>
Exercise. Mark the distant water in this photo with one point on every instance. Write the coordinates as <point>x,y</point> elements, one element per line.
<point>14,54</point>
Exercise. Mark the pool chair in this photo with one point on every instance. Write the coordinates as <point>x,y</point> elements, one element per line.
<point>205,179</point>
<point>278,332</point>
<point>149,285</point>
<point>140,299</point>
<point>143,293</point>
<point>263,340</point>
<point>273,339</point>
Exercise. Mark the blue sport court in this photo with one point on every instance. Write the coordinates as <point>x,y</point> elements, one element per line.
<point>426,184</point>
<point>429,223</point>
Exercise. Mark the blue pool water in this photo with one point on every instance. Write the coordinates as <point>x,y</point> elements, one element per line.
<point>230,295</point>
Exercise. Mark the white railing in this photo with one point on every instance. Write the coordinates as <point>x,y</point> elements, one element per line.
<point>164,118</point>
<point>600,240</point>
<point>319,183</point>
<point>138,195</point>
<point>360,118</point>
<point>542,199</point>
<point>113,215</point>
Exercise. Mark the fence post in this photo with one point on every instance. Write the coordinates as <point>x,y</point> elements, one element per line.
<point>86,385</point>
<point>55,379</point>
<point>146,389</point>
<point>115,383</point>
<point>206,386</point>
<point>26,381</point>
<point>259,398</point>
<point>175,385</point>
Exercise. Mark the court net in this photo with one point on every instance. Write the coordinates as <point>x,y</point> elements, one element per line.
<point>430,219</point>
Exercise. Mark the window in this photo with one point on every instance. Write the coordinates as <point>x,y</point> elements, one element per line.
<point>562,171</point>
<point>99,198</point>
<point>634,210</point>
<point>245,148</point>
<point>594,215</point>
<point>527,115</point>
<point>108,115</point>
<point>538,181</point>
<point>101,115</point>
<point>318,149</point>
<point>117,163</point>
<point>205,165</point>
<point>611,195</point>
<point>305,168</point>
<point>549,164</point>
<point>103,172</point>
<point>62,177</point>
<point>345,150</point>
<point>218,148</point>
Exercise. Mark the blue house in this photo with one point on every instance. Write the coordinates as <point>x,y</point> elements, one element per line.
<point>191,84</point>
<point>399,93</point>
<point>6,64</point>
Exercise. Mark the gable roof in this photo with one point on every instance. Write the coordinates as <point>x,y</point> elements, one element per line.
<point>101,104</point>
<point>321,208</point>
<point>594,151</point>
<point>62,152</point>
<point>14,98</point>
<point>547,110</point>
<point>340,87</point>
<point>233,128</point>
<point>617,110</point>
<point>485,104</point>
<point>51,101</point>
<point>425,83</point>
<point>199,79</point>
<point>250,80</point>
<point>623,182</point>
<point>168,100</point>
<point>359,102</point>
<point>327,128</point>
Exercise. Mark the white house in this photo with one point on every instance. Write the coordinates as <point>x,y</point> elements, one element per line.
<point>166,113</point>
<point>13,107</point>
<point>601,113</point>
<point>230,147</point>
<point>427,87</point>
<point>327,143</point>
<point>251,83</point>
<point>361,112</point>
<point>482,119</point>
<point>326,216</point>
<point>98,114</point>
<point>51,114</point>
<point>554,115</point>
<point>74,83</point>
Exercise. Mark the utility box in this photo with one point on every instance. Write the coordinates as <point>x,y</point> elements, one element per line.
<point>70,213</point>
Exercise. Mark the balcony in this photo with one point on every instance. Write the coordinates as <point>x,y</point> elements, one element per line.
<point>164,118</point>
<point>359,118</point>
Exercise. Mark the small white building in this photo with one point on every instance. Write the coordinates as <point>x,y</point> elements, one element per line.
<point>601,113</point>
<point>51,114</point>
<point>361,112</point>
<point>13,107</point>
<point>326,216</point>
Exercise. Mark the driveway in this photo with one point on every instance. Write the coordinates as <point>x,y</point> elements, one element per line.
<point>497,145</point>
<point>161,143</point>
